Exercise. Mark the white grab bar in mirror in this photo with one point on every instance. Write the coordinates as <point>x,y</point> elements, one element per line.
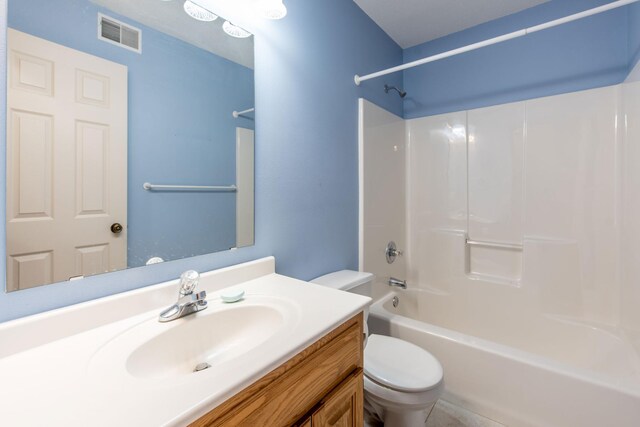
<point>225,189</point>
<point>237,114</point>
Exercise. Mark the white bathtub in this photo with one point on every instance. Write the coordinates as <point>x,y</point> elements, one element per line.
<point>533,370</point>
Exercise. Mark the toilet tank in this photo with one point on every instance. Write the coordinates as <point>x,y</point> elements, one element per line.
<point>347,280</point>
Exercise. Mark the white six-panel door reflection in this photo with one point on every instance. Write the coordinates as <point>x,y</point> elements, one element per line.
<point>66,163</point>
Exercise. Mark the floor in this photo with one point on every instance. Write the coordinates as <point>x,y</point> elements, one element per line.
<point>446,414</point>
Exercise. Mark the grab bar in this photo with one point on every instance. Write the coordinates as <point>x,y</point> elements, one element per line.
<point>494,245</point>
<point>224,189</point>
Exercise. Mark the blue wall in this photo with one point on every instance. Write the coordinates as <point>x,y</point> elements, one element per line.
<point>180,127</point>
<point>634,35</point>
<point>585,54</point>
<point>306,152</point>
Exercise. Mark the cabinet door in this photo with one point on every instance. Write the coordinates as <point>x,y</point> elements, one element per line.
<point>343,407</point>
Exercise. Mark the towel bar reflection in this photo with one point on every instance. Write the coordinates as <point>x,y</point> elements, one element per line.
<point>223,189</point>
<point>237,114</point>
<point>494,245</point>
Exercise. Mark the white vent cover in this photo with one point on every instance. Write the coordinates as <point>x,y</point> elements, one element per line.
<point>116,32</point>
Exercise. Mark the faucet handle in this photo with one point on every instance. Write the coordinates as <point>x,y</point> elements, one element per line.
<point>391,252</point>
<point>188,282</point>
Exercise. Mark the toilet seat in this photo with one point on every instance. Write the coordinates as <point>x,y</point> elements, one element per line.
<point>399,400</point>
<point>400,365</point>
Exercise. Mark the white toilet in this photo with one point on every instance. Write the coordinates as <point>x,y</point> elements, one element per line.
<point>402,381</point>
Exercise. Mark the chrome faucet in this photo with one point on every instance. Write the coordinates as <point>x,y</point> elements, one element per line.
<point>188,302</point>
<point>397,283</point>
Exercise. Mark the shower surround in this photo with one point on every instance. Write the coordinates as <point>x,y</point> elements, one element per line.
<point>521,235</point>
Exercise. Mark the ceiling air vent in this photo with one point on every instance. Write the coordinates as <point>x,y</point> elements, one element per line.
<point>116,32</point>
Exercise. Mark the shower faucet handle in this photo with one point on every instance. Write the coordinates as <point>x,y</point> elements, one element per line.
<point>391,252</point>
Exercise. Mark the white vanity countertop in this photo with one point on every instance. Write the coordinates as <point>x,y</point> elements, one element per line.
<point>53,371</point>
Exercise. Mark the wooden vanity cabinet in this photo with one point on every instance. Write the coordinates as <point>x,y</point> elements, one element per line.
<point>320,386</point>
<point>343,406</point>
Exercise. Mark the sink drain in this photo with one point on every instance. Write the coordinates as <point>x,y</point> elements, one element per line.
<point>201,367</point>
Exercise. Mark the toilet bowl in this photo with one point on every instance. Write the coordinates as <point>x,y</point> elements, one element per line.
<point>402,381</point>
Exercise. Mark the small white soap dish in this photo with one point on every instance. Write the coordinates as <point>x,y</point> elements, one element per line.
<point>232,295</point>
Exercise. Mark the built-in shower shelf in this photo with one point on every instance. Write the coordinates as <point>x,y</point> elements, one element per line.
<point>497,262</point>
<point>497,245</point>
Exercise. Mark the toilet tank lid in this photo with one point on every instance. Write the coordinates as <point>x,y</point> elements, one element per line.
<point>344,279</point>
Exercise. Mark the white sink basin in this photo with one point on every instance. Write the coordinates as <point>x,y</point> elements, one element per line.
<point>212,337</point>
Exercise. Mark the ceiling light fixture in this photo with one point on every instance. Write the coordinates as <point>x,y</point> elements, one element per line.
<point>273,9</point>
<point>235,31</point>
<point>198,12</point>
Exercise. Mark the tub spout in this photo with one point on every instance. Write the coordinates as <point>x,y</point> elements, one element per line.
<point>397,283</point>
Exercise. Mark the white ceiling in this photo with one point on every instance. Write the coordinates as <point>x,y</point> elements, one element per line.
<point>412,22</point>
<point>169,17</point>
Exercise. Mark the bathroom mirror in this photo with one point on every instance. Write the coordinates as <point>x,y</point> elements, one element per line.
<point>130,136</point>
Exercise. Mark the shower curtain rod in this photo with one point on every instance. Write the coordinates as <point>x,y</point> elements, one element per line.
<point>520,33</point>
